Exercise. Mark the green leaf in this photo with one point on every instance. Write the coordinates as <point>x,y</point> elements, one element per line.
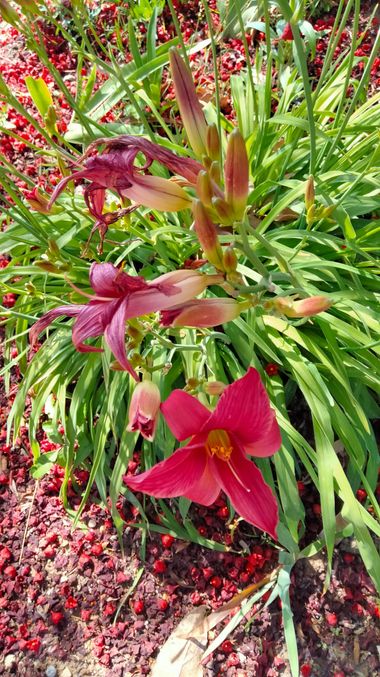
<point>40,94</point>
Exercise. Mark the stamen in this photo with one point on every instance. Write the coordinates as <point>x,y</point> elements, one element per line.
<point>237,477</point>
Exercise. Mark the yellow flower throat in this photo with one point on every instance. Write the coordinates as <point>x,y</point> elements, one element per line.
<point>219,444</point>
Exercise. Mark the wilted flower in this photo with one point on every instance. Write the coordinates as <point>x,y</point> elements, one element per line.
<point>118,298</point>
<point>215,457</point>
<point>144,409</point>
<point>115,169</point>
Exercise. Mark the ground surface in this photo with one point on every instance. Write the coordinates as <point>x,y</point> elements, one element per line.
<point>60,591</point>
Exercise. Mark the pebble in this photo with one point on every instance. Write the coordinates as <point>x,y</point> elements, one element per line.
<point>9,661</point>
<point>51,671</point>
<point>91,524</point>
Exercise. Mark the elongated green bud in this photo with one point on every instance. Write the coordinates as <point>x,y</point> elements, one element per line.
<point>223,210</point>
<point>207,235</point>
<point>213,142</point>
<point>204,188</point>
<point>309,192</point>
<point>236,174</point>
<point>188,103</point>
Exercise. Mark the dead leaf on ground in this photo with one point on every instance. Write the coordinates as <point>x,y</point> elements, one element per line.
<point>180,656</point>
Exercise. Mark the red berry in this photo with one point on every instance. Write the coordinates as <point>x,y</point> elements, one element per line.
<point>3,479</point>
<point>33,644</point>
<point>361,495</point>
<point>301,487</point>
<point>271,369</point>
<point>10,572</point>
<point>167,540</point>
<point>138,606</point>
<point>163,604</point>
<point>216,582</point>
<point>306,670</point>
<point>202,531</point>
<point>332,619</point>
<point>159,566</point>
<point>90,536</point>
<point>207,572</point>
<point>348,557</point>
<point>49,552</point>
<point>56,617</point>
<point>223,512</point>
<point>227,647</point>
<point>109,609</point>
<point>376,611</point>
<point>195,598</point>
<point>71,603</point>
<point>316,508</point>
<point>97,549</point>
<point>339,673</point>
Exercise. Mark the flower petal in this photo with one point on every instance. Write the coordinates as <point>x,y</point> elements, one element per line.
<point>92,321</point>
<point>251,497</point>
<point>45,320</point>
<point>184,414</point>
<point>244,409</point>
<point>175,476</point>
<point>157,193</point>
<point>265,445</point>
<point>115,336</point>
<point>206,491</point>
<point>111,282</point>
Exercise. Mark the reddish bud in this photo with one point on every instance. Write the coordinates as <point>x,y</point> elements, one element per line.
<point>306,670</point>
<point>144,409</point>
<point>216,582</point>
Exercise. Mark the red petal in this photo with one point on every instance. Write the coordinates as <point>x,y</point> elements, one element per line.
<point>244,409</point>
<point>45,320</point>
<point>115,336</point>
<point>176,476</point>
<point>206,491</point>
<point>251,497</point>
<point>184,414</point>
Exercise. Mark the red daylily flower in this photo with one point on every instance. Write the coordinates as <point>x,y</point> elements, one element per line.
<point>118,298</point>
<point>215,457</point>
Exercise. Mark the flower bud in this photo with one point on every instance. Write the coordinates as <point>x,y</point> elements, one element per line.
<point>303,308</point>
<point>188,103</point>
<point>309,192</point>
<point>207,235</point>
<point>229,260</point>
<point>213,142</point>
<point>203,313</point>
<point>214,172</point>
<point>236,174</point>
<point>223,210</point>
<point>7,12</point>
<point>144,409</point>
<point>214,388</point>
<point>204,188</point>
<point>38,202</point>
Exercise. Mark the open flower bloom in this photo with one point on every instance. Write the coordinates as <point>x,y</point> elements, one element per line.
<point>118,298</point>
<point>144,409</point>
<point>115,169</point>
<point>215,457</point>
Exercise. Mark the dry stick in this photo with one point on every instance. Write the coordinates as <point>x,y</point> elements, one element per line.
<point>27,522</point>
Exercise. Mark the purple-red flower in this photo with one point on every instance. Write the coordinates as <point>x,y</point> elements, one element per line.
<point>120,297</point>
<point>115,169</point>
<point>215,457</point>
